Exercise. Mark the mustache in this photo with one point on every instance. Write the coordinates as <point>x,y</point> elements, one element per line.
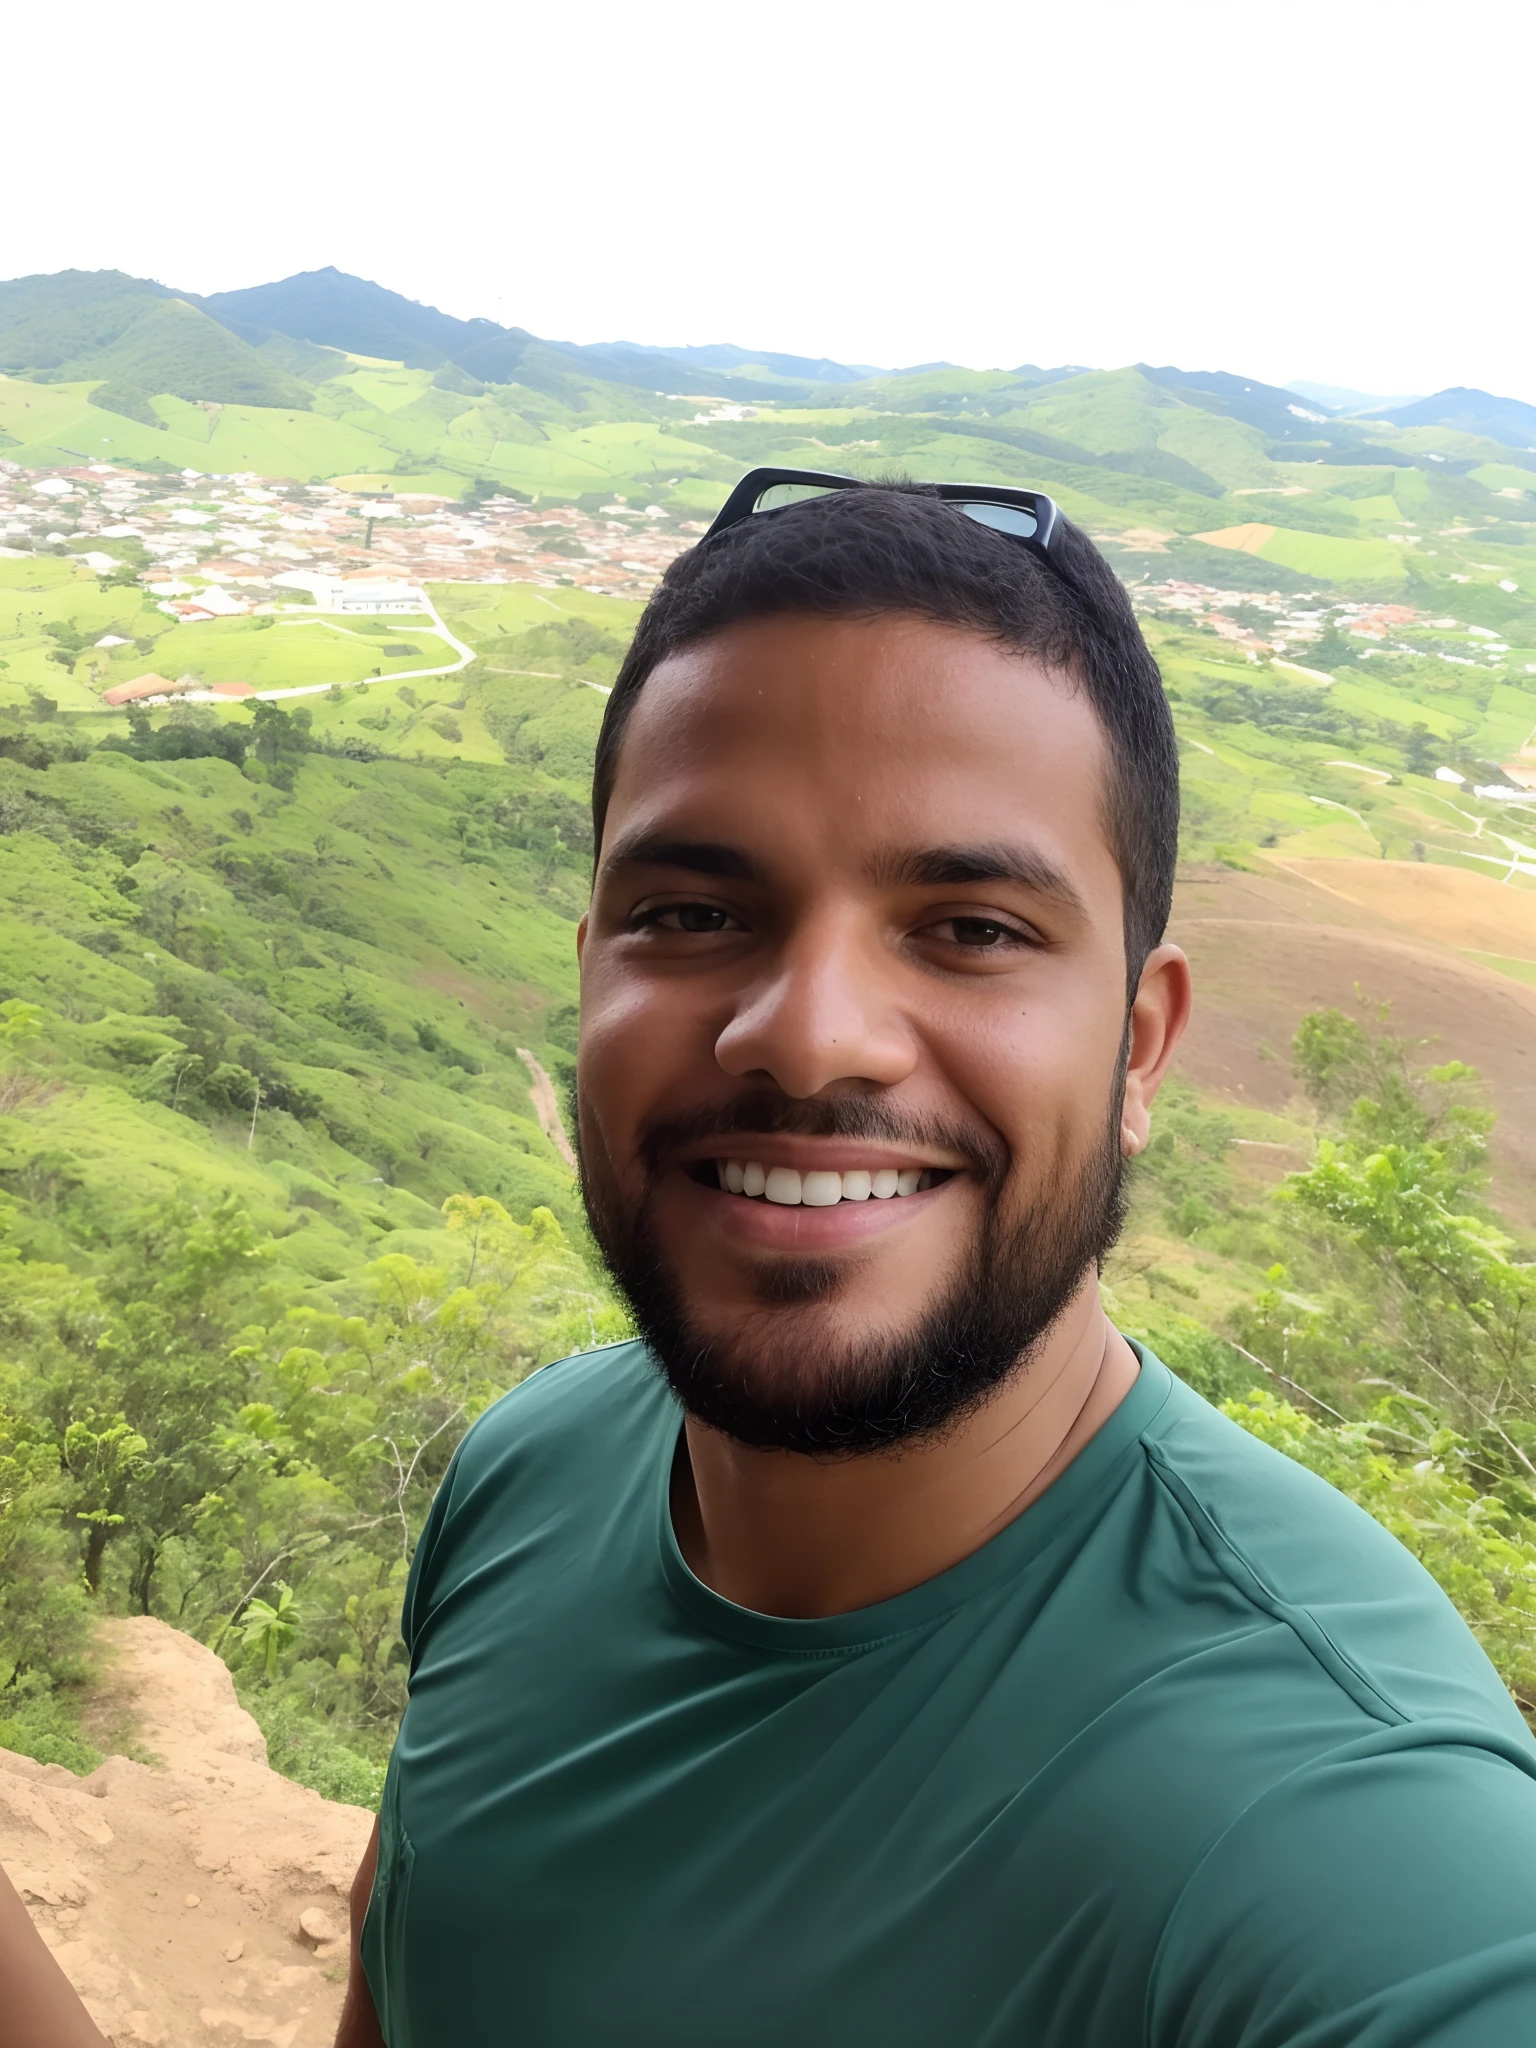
<point>763,1112</point>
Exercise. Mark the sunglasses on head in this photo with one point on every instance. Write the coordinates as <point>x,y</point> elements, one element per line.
<point>1027,516</point>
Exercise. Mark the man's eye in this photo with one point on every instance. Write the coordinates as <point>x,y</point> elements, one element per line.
<point>980,932</point>
<point>690,917</point>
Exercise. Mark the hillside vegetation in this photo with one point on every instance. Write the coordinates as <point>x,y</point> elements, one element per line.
<point>288,985</point>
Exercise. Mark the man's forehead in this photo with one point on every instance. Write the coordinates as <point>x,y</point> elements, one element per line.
<point>937,712</point>
<point>869,653</point>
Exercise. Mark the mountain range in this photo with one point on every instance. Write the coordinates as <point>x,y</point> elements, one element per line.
<point>268,344</point>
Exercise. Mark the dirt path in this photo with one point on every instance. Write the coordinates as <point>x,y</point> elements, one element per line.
<point>546,1107</point>
<point>172,1893</point>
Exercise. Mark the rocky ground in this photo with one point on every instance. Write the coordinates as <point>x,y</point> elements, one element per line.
<point>194,1899</point>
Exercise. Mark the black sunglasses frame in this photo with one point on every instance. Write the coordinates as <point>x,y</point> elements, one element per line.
<point>742,502</point>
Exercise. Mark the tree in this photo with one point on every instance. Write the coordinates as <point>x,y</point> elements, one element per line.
<point>43,1618</point>
<point>1421,750</point>
<point>145,1415</point>
<point>267,1629</point>
<point>103,1463</point>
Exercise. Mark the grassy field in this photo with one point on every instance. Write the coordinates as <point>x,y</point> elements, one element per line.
<point>289,651</point>
<point>1334,557</point>
<point>54,425</point>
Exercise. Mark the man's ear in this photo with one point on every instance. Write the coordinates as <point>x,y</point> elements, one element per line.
<point>581,937</point>
<point>1164,998</point>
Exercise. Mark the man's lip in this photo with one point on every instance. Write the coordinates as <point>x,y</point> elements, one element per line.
<point>815,1155</point>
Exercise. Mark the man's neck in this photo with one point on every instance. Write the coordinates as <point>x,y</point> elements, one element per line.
<point>787,1534</point>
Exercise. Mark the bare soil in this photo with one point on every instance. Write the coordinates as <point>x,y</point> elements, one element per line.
<point>171,1892</point>
<point>546,1107</point>
<point>1269,946</point>
<point>1449,906</point>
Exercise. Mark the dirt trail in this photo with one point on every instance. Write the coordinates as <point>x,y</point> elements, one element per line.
<point>546,1107</point>
<point>172,1894</point>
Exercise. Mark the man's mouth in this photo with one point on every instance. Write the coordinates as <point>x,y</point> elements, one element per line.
<point>818,1188</point>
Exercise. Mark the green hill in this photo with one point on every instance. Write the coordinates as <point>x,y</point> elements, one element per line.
<point>352,314</point>
<point>138,338</point>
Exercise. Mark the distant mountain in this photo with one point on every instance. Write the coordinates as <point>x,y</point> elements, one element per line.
<point>1270,407</point>
<point>141,338</point>
<point>1509,420</point>
<point>1339,398</point>
<point>334,310</point>
<point>725,355</point>
<point>1031,373</point>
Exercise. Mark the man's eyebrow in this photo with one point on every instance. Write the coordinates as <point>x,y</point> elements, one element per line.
<point>694,856</point>
<point>934,867</point>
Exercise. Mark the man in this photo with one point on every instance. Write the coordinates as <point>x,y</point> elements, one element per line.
<point>885,1650</point>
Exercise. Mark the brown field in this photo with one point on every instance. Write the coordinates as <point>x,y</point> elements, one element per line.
<point>1451,906</point>
<point>1248,540</point>
<point>1269,946</point>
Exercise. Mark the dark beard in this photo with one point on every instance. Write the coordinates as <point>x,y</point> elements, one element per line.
<point>897,1386</point>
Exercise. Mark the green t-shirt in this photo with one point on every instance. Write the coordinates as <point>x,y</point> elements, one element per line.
<point>1191,1755</point>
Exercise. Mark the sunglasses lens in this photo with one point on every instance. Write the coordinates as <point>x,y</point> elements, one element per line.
<point>1014,519</point>
<point>778,495</point>
<point>1021,522</point>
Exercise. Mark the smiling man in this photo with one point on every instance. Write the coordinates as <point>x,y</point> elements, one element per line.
<point>884,1650</point>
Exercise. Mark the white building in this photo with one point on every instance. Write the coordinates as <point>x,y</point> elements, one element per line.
<point>362,596</point>
<point>380,597</point>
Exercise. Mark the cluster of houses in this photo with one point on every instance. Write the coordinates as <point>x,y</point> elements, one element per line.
<point>215,547</point>
<point>246,533</point>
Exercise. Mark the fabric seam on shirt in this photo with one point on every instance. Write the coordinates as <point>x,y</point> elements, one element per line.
<point>1241,1572</point>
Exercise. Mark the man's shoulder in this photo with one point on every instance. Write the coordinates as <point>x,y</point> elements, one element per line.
<point>576,1408</point>
<point>558,1443</point>
<point>1304,1553</point>
<point>549,1460</point>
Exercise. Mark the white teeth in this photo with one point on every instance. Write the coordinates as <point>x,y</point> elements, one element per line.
<point>820,1188</point>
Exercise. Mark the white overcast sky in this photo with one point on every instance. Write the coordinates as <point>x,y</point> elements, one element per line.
<point>1342,191</point>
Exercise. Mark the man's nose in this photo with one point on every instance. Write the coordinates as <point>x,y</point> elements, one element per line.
<point>823,1012</point>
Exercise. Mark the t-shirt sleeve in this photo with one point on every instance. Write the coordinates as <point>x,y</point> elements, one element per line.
<point>1385,1898</point>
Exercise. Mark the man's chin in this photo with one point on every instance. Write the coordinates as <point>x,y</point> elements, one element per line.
<point>795,1377</point>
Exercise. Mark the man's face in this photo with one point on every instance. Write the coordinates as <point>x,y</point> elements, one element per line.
<point>855,921</point>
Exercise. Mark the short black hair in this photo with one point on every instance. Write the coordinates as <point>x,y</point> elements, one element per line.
<point>898,547</point>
